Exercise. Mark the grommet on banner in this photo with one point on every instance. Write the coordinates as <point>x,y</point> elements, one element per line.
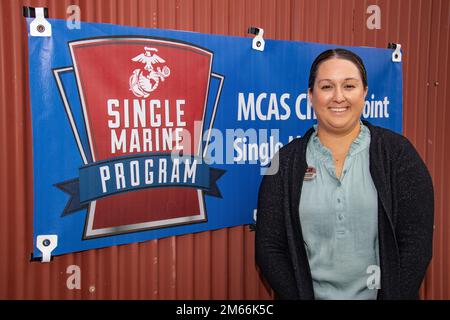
<point>39,27</point>
<point>397,54</point>
<point>258,41</point>
<point>46,244</point>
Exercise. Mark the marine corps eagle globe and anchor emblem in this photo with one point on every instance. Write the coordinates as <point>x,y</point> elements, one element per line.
<point>142,82</point>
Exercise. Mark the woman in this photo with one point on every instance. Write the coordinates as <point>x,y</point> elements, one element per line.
<point>349,213</point>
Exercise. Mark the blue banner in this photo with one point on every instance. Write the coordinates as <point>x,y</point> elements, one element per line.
<point>141,134</point>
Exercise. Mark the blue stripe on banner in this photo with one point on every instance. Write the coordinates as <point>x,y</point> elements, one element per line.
<point>123,174</point>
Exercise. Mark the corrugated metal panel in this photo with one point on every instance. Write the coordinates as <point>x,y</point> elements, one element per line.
<point>422,29</point>
<point>438,145</point>
<point>215,264</point>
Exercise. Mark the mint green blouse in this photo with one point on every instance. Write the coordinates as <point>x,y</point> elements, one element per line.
<point>339,220</point>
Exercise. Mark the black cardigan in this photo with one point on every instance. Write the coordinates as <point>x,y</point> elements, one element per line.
<point>405,218</point>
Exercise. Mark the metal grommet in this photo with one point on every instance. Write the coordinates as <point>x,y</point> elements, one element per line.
<point>40,28</point>
<point>46,242</point>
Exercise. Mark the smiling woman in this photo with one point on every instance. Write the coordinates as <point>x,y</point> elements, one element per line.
<point>337,91</point>
<point>349,214</point>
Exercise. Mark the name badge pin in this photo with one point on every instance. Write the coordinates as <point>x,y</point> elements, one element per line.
<point>310,174</point>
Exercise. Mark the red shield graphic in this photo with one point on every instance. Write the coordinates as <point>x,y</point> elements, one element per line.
<point>112,74</point>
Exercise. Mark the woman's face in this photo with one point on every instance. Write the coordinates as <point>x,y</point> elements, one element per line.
<point>338,96</point>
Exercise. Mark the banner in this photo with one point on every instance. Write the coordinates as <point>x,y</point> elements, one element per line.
<point>141,134</point>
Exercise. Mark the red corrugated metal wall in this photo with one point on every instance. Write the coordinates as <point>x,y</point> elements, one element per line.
<point>214,264</point>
